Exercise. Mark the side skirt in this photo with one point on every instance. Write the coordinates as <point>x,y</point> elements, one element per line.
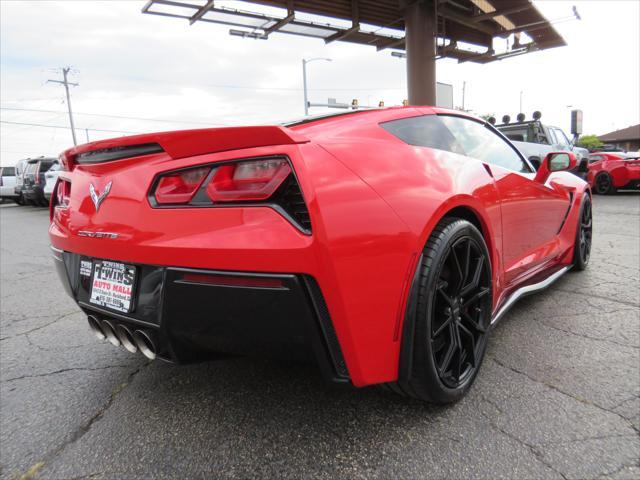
<point>527,290</point>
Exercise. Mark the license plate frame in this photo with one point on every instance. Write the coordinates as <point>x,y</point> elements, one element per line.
<point>113,285</point>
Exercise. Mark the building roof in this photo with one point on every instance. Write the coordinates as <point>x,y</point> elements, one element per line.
<point>629,133</point>
<point>380,23</point>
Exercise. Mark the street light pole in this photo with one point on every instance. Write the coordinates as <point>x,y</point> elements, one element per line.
<point>520,111</point>
<point>304,84</point>
<point>304,81</point>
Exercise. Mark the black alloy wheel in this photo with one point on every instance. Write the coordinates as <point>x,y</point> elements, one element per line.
<point>603,185</point>
<point>452,314</point>
<point>584,233</point>
<point>459,317</point>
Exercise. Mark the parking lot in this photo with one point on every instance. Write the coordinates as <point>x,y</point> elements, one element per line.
<point>557,397</point>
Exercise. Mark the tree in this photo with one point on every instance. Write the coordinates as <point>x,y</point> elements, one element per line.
<point>590,142</point>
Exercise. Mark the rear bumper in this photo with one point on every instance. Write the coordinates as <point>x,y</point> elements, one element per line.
<point>191,320</point>
<point>34,194</point>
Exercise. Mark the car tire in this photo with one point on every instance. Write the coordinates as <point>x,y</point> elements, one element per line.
<point>584,232</point>
<point>603,184</point>
<point>449,332</point>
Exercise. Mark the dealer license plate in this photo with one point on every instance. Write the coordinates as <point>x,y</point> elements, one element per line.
<point>112,285</point>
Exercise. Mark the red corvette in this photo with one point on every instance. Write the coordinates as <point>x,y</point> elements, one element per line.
<point>610,171</point>
<point>385,243</point>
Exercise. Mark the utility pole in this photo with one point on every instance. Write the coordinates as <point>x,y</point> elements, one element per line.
<point>66,84</point>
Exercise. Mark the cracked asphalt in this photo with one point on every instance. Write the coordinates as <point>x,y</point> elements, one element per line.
<point>558,395</point>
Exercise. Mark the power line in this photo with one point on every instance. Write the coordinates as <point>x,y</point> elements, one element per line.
<point>110,116</point>
<point>61,126</point>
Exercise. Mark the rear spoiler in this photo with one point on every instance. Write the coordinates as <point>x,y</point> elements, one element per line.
<point>180,144</point>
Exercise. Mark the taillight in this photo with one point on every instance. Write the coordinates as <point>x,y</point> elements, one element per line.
<point>63,193</point>
<point>61,196</point>
<point>36,178</point>
<point>180,187</point>
<point>248,181</point>
<point>265,181</point>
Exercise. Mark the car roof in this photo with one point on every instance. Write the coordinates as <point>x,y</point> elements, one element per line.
<point>41,159</point>
<point>373,115</point>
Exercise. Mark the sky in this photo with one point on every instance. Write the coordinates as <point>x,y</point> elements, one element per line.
<point>163,74</point>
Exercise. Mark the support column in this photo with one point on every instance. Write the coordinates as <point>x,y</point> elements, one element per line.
<point>420,43</point>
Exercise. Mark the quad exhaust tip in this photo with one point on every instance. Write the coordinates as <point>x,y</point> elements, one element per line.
<point>110,333</point>
<point>145,344</point>
<point>96,328</point>
<point>120,335</point>
<point>126,338</point>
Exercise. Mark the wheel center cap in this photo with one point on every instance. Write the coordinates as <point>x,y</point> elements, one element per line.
<point>455,309</point>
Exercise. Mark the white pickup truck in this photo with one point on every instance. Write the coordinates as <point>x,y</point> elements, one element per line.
<point>535,139</point>
<point>8,183</point>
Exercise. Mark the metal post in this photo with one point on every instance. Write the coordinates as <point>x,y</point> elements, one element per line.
<point>520,111</point>
<point>304,80</point>
<point>304,83</point>
<point>86,132</point>
<point>464,88</point>
<point>420,44</point>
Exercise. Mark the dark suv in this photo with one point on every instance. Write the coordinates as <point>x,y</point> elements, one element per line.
<point>34,181</point>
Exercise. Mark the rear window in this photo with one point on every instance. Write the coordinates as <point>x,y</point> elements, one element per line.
<point>8,171</point>
<point>517,134</point>
<point>45,165</point>
<point>424,131</point>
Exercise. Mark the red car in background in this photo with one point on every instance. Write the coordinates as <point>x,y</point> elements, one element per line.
<point>386,243</point>
<point>610,171</point>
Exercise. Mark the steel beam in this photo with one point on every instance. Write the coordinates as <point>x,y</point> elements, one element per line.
<point>200,13</point>
<point>393,43</point>
<point>505,11</point>
<point>279,24</point>
<point>420,43</point>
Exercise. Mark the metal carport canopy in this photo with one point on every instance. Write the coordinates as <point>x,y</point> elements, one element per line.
<point>425,29</point>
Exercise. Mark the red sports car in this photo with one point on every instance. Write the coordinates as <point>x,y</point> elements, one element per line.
<point>384,243</point>
<point>609,171</point>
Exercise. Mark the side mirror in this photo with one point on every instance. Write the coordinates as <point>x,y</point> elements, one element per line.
<point>555,162</point>
<point>535,161</point>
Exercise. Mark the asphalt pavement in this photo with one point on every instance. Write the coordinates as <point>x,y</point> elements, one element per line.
<point>558,395</point>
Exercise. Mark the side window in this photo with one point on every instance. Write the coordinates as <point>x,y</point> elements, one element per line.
<point>595,158</point>
<point>552,136</point>
<point>8,172</point>
<point>424,131</point>
<point>562,138</point>
<point>482,143</point>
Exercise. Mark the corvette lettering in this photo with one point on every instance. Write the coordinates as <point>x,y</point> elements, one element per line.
<point>86,233</point>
